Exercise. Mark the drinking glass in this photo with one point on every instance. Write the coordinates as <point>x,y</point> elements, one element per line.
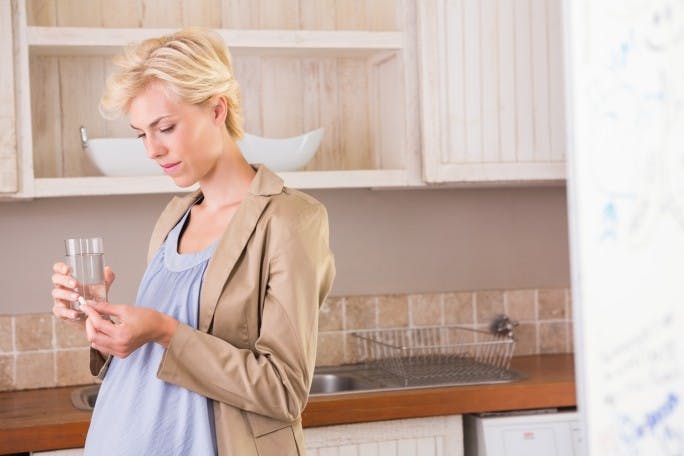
<point>85,256</point>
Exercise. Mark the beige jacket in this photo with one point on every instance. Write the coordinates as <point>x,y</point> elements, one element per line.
<point>255,347</point>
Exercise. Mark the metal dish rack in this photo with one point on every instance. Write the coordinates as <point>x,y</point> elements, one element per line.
<point>438,354</point>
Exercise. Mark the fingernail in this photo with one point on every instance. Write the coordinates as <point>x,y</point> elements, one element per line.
<point>73,296</point>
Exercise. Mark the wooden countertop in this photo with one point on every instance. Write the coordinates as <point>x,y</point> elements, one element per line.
<point>44,419</point>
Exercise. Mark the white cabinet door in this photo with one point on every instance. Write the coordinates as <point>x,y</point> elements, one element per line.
<point>491,82</point>
<point>9,182</point>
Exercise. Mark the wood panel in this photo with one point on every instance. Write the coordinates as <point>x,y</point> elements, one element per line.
<point>81,83</point>
<point>162,13</point>
<point>281,97</point>
<point>490,75</point>
<point>121,13</point>
<point>9,180</point>
<point>79,13</point>
<point>556,81</point>
<point>248,73</point>
<point>540,81</point>
<point>451,51</point>
<point>507,95</point>
<point>355,134</point>
<point>41,12</point>
<point>206,13</point>
<point>318,15</point>
<point>321,102</point>
<point>523,82</point>
<point>46,117</point>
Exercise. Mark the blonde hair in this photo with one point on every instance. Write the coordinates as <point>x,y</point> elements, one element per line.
<point>195,63</point>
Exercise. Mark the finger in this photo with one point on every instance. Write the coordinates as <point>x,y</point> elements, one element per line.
<point>61,268</point>
<point>109,275</point>
<point>103,307</point>
<point>60,310</point>
<point>65,281</point>
<point>64,294</point>
<point>98,323</point>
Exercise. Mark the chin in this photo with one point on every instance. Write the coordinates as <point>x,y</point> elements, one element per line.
<point>184,182</point>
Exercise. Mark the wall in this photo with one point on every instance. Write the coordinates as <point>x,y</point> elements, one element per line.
<point>385,241</point>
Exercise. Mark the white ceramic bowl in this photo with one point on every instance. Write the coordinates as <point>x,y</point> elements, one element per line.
<point>127,156</point>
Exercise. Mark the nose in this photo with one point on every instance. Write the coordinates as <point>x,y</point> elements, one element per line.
<point>154,147</point>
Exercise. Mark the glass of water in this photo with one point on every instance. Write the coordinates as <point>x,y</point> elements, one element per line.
<point>85,256</point>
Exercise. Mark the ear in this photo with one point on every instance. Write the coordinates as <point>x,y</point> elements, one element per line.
<point>219,109</point>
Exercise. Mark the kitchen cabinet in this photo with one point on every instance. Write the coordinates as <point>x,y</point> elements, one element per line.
<point>430,436</point>
<point>9,179</point>
<point>345,65</point>
<point>491,90</point>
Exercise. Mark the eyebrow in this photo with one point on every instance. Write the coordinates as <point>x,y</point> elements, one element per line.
<point>153,123</point>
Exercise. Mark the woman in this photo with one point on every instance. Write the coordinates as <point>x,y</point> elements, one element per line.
<point>218,353</point>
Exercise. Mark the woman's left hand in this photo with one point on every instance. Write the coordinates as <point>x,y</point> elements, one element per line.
<point>132,327</point>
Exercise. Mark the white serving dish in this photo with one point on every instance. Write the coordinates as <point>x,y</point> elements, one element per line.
<point>127,156</point>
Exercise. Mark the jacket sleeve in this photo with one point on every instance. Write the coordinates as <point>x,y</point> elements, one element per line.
<point>274,378</point>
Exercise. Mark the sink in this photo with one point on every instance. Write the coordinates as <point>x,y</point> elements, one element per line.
<point>326,380</point>
<point>336,383</point>
<point>84,398</point>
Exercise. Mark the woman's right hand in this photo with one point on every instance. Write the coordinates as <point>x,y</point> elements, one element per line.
<point>64,292</point>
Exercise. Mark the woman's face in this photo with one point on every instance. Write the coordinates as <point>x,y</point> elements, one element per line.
<point>184,139</point>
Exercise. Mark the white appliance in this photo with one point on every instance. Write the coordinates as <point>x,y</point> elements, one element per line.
<point>529,433</point>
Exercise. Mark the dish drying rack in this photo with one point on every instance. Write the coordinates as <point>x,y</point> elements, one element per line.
<point>440,354</point>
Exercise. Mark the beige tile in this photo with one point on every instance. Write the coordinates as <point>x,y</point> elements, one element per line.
<point>330,317</point>
<point>6,344</point>
<point>553,337</point>
<point>426,309</point>
<point>73,367</point>
<point>520,305</point>
<point>33,331</point>
<point>551,304</point>
<point>526,339</point>
<point>360,312</point>
<point>460,336</point>
<point>458,308</point>
<point>35,370</point>
<point>393,311</point>
<point>355,349</point>
<point>489,304</point>
<point>330,350</point>
<point>69,335</point>
<point>6,372</point>
<point>571,338</point>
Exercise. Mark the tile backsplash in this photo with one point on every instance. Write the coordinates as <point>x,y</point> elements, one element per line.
<point>37,350</point>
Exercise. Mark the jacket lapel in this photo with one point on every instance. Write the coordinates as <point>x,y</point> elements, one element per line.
<point>234,240</point>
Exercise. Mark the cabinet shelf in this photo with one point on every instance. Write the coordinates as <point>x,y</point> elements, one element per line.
<point>104,41</point>
<point>89,186</point>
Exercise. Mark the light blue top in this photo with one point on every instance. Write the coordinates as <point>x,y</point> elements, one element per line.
<point>136,413</point>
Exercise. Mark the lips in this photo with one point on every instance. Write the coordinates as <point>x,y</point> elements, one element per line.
<point>169,167</point>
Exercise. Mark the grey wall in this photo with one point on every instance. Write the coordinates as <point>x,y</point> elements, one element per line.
<point>385,241</point>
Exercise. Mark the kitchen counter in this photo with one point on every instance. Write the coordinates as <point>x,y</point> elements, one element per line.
<point>45,419</point>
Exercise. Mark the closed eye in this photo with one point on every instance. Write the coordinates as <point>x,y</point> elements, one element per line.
<point>141,135</point>
<point>168,129</point>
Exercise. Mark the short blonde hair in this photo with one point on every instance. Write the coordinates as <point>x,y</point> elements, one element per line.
<point>194,62</point>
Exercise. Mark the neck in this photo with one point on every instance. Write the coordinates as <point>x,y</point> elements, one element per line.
<point>228,183</point>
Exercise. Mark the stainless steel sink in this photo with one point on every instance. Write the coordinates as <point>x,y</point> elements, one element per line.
<point>338,382</point>
<point>326,380</point>
<point>84,398</point>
